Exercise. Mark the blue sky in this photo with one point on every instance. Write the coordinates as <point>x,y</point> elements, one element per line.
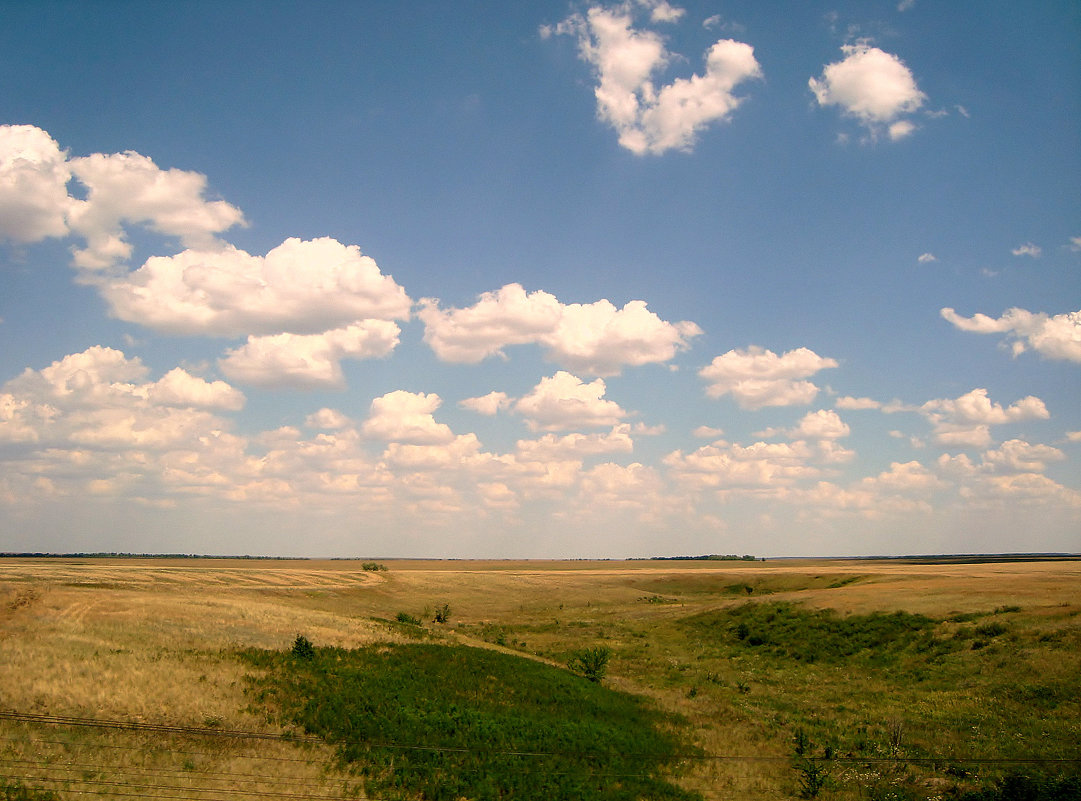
<point>540,280</point>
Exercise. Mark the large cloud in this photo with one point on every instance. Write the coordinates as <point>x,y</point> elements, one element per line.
<point>101,399</point>
<point>407,417</point>
<point>651,119</point>
<point>298,287</point>
<point>120,189</point>
<point>966,420</point>
<point>725,466</point>
<point>34,200</point>
<point>1056,337</point>
<point>873,86</point>
<point>757,377</point>
<point>576,445</point>
<point>308,360</point>
<point>564,402</point>
<point>595,338</point>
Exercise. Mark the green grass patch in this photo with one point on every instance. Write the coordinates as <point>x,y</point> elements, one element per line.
<point>443,722</point>
<point>813,635</point>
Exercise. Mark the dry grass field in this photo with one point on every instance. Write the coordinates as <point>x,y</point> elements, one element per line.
<point>990,682</point>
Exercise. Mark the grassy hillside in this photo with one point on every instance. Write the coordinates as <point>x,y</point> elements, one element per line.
<point>846,680</point>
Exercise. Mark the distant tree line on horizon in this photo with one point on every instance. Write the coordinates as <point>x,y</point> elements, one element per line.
<point>715,557</point>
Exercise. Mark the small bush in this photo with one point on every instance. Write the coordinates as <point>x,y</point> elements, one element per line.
<point>442,613</point>
<point>405,617</point>
<point>17,791</point>
<point>373,566</point>
<point>591,662</point>
<point>303,648</point>
<point>991,629</point>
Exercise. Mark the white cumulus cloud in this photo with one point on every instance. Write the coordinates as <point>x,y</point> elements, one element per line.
<point>407,417</point>
<point>595,338</point>
<point>651,118</point>
<point>118,190</point>
<point>723,465</point>
<point>298,287</point>
<point>100,398</point>
<point>823,424</point>
<point>34,200</point>
<point>1056,337</point>
<point>563,401</point>
<point>576,445</point>
<point>757,377</point>
<point>488,405</point>
<point>873,86</point>
<point>308,360</point>
<point>1028,249</point>
<point>966,421</point>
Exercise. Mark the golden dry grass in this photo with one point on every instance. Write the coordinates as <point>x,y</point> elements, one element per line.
<point>150,640</point>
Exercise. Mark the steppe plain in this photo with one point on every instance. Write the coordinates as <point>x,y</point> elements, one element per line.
<point>119,676</point>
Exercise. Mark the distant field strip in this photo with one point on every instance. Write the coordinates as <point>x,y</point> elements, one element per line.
<point>152,576</point>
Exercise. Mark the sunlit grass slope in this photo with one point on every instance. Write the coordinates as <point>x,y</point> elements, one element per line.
<point>920,682</point>
<point>444,722</point>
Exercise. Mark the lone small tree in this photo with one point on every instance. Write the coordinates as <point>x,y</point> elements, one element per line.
<point>591,662</point>
<point>442,613</point>
<point>303,648</point>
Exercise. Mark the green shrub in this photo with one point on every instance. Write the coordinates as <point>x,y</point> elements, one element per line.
<point>442,613</point>
<point>373,566</point>
<point>1022,787</point>
<point>17,791</point>
<point>405,617</point>
<point>991,629</point>
<point>591,662</point>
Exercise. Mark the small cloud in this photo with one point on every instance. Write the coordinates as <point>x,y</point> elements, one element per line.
<point>1028,249</point>
<point>906,5</point>
<point>901,129</point>
<point>757,377</point>
<point>327,419</point>
<point>665,12</point>
<point>926,257</point>
<point>708,432</point>
<point>489,404</point>
<point>1075,244</point>
<point>874,87</point>
<point>717,22</point>
<point>847,402</point>
<point>564,401</point>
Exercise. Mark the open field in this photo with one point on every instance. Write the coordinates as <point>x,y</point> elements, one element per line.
<point>979,676</point>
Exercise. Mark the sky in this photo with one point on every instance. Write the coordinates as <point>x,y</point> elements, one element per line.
<point>540,280</point>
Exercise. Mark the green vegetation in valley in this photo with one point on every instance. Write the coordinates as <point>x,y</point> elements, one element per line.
<point>901,686</point>
<point>787,629</point>
<point>444,722</point>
